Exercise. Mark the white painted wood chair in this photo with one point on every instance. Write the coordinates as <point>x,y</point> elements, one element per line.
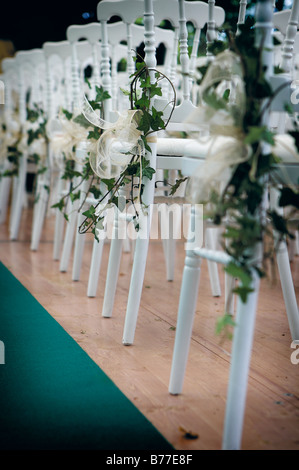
<point>169,152</point>
<point>28,63</point>
<point>72,78</point>
<point>92,34</point>
<point>245,316</point>
<point>117,33</point>
<point>135,38</point>
<point>43,183</point>
<point>57,55</point>
<point>89,49</point>
<point>9,78</point>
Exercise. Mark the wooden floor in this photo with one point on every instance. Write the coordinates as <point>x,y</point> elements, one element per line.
<point>142,371</point>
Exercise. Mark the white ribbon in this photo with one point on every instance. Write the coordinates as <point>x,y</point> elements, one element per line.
<point>227,147</point>
<point>117,144</point>
<point>64,135</point>
<point>10,136</point>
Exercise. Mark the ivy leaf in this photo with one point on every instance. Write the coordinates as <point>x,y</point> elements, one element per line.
<point>90,212</point>
<point>119,202</point>
<point>256,134</point>
<point>32,115</point>
<point>67,114</point>
<point>95,191</point>
<point>102,94</point>
<point>42,170</point>
<point>94,134</point>
<point>81,119</point>
<point>155,90</point>
<point>109,183</point>
<point>145,122</point>
<point>125,92</point>
<point>238,272</point>
<point>224,322</point>
<point>59,205</point>
<point>146,146</point>
<point>177,184</point>
<point>75,196</point>
<point>95,105</point>
<point>157,122</point>
<point>143,102</point>
<point>147,171</point>
<point>243,292</point>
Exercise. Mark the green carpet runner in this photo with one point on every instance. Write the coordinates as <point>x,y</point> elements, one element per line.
<point>53,396</point>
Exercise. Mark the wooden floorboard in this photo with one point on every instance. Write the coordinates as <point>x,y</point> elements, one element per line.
<point>142,370</point>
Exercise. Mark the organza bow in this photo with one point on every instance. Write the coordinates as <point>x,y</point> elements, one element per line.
<point>10,136</point>
<point>221,111</point>
<point>64,135</point>
<point>117,144</point>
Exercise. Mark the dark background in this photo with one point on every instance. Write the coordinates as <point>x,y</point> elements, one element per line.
<point>28,24</point>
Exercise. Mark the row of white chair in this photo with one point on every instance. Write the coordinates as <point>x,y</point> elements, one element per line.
<point>102,50</point>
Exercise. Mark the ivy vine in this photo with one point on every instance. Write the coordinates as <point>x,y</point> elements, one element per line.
<point>142,91</point>
<point>239,205</point>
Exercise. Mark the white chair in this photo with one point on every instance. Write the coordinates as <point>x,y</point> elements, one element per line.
<point>245,316</point>
<point>57,55</point>
<point>169,152</point>
<point>90,50</point>
<point>43,179</point>
<point>28,63</point>
<point>11,132</point>
<point>112,35</point>
<point>117,33</point>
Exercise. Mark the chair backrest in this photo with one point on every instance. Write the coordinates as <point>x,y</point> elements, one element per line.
<point>290,34</point>
<point>28,64</point>
<point>128,11</point>
<point>57,55</point>
<point>9,78</point>
<point>92,34</point>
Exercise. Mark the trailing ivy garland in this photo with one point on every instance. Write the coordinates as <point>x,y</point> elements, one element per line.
<point>239,204</point>
<point>71,174</point>
<point>32,131</point>
<point>142,91</point>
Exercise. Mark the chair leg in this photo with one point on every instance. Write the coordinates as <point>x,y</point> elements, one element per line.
<point>78,251</point>
<point>211,242</point>
<point>79,239</point>
<point>59,222</point>
<point>287,285</point>
<point>127,245</point>
<point>39,215</point>
<point>140,254</point>
<point>4,194</point>
<point>285,274</point>
<point>135,291</point>
<point>95,266</point>
<point>58,235</point>
<point>186,312</point>
<point>68,240</point>
<point>170,245</point>
<point>239,369</point>
<point>115,254</point>
<point>19,199</point>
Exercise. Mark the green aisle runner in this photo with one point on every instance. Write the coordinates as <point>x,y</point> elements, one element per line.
<point>52,395</point>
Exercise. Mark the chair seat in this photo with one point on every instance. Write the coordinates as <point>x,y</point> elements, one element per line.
<point>194,150</point>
